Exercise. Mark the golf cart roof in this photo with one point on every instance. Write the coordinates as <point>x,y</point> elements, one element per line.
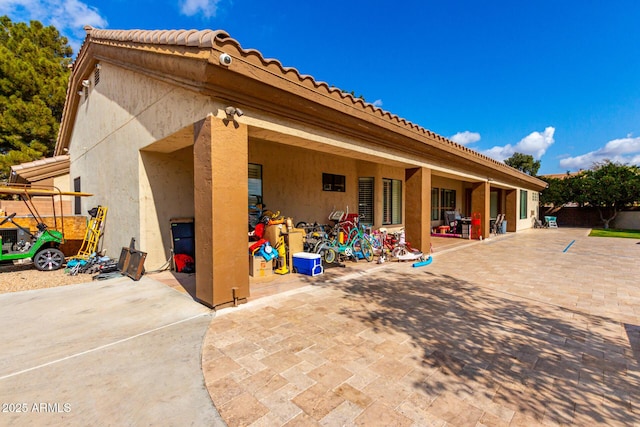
<point>33,191</point>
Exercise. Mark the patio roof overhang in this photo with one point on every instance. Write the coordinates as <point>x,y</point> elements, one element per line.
<point>191,59</point>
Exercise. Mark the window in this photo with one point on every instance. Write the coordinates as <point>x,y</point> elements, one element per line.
<point>77,204</point>
<point>391,201</point>
<point>435,205</point>
<point>534,196</point>
<point>442,200</point>
<point>255,193</point>
<point>523,204</point>
<point>255,179</point>
<point>331,182</point>
<point>447,201</point>
<point>365,200</point>
<point>96,76</point>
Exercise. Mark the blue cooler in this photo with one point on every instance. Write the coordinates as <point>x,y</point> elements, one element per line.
<point>306,263</point>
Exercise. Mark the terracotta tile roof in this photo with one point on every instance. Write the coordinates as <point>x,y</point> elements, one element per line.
<point>40,169</point>
<point>560,175</point>
<point>208,38</point>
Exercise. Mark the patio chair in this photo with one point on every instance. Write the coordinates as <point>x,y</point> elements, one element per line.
<point>497,225</point>
<point>537,223</point>
<point>453,220</point>
<point>551,221</point>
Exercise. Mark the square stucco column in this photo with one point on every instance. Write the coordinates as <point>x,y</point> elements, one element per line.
<point>220,156</point>
<point>481,203</point>
<point>418,208</point>
<point>511,210</point>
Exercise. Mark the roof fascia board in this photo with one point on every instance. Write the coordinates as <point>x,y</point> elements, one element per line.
<point>198,69</point>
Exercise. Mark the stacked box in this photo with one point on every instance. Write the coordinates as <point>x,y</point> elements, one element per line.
<point>259,267</point>
<point>306,263</point>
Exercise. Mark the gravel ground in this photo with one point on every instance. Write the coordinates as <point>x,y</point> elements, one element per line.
<point>24,277</point>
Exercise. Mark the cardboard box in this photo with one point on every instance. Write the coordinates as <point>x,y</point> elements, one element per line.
<point>296,241</point>
<point>272,233</point>
<point>258,267</point>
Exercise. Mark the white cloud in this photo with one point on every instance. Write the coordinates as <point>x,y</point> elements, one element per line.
<point>68,16</point>
<point>535,144</point>
<point>465,137</point>
<point>207,8</point>
<point>622,150</point>
<point>377,103</point>
<point>76,14</point>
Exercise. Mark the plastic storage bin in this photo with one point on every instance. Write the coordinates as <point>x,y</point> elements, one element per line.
<point>306,263</point>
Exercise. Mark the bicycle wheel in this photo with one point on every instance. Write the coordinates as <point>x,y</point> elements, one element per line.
<point>367,250</point>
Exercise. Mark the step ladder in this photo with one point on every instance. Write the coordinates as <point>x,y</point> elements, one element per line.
<point>93,234</point>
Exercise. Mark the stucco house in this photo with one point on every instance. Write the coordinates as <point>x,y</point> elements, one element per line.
<point>167,124</point>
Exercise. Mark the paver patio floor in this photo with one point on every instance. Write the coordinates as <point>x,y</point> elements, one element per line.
<point>541,327</point>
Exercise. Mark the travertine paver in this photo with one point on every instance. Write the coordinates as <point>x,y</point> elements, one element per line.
<point>518,330</point>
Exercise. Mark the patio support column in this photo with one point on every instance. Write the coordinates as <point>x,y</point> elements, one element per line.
<point>418,208</point>
<point>481,203</point>
<point>220,155</point>
<point>511,210</point>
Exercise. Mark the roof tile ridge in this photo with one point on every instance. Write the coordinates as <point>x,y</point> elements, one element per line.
<point>191,38</point>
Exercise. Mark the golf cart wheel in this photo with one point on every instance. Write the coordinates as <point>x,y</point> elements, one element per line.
<point>48,259</point>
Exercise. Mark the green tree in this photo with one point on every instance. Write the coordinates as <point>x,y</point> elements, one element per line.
<point>524,163</point>
<point>34,71</point>
<point>609,187</point>
<point>557,192</point>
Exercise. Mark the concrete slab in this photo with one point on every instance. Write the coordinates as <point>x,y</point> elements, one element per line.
<point>114,352</point>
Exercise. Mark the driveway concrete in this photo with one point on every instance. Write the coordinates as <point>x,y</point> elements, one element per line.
<point>113,352</point>
<point>541,327</point>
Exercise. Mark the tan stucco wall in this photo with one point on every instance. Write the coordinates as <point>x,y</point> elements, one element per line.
<point>166,189</point>
<point>122,114</point>
<point>532,209</point>
<point>62,183</point>
<point>292,181</point>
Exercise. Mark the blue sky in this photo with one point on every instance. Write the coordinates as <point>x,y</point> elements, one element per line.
<point>556,79</point>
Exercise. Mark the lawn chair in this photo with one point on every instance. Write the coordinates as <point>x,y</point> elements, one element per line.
<point>551,221</point>
<point>453,220</point>
<point>537,223</point>
<point>497,225</point>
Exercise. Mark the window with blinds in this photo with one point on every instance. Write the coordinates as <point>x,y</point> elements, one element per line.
<point>256,203</point>
<point>435,205</point>
<point>255,182</point>
<point>447,201</point>
<point>365,200</point>
<point>391,201</point>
